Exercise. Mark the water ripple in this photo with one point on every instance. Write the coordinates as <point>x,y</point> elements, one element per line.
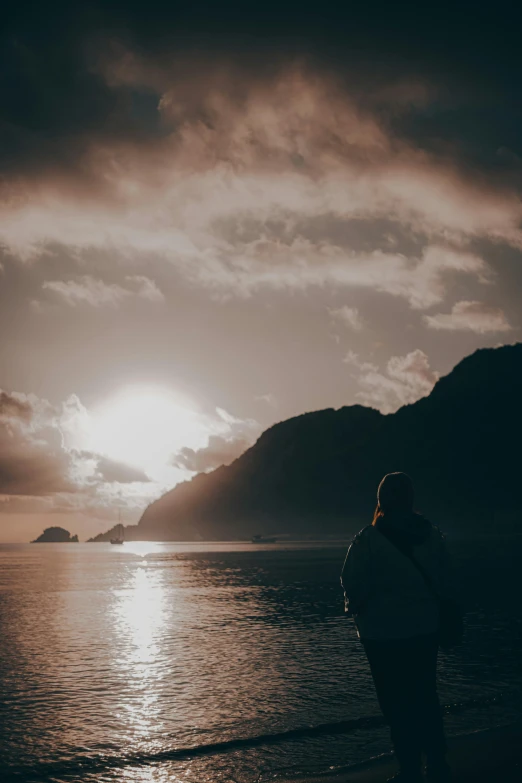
<point>140,665</point>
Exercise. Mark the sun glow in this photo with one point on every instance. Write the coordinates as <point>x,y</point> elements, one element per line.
<point>144,427</point>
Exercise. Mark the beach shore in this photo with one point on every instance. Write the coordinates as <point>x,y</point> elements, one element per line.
<point>482,757</point>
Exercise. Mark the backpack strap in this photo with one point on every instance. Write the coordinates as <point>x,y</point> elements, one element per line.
<point>427,580</point>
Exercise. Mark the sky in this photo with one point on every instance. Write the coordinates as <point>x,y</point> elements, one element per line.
<point>218,216</point>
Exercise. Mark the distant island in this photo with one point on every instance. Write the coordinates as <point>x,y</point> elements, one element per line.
<point>55,535</point>
<point>317,474</point>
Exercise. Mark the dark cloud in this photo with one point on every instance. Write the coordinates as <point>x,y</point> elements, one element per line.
<point>437,74</point>
<point>33,461</point>
<point>219,451</point>
<point>123,113</point>
<point>15,406</point>
<point>112,471</point>
<point>30,467</point>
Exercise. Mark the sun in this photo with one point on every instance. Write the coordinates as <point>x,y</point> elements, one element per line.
<point>145,426</point>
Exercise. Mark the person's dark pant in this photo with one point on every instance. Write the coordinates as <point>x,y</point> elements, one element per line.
<point>405,675</point>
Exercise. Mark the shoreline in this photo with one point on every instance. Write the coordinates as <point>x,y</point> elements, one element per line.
<point>481,756</point>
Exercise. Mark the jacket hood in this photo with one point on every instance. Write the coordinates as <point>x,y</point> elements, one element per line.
<point>406,530</point>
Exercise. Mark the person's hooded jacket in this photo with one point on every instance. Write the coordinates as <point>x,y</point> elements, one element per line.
<point>384,591</point>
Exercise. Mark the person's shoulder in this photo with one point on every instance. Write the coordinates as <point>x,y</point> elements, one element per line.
<point>363,535</point>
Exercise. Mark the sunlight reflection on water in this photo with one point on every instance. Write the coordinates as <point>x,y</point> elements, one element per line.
<point>140,612</point>
<point>141,548</point>
<point>140,620</point>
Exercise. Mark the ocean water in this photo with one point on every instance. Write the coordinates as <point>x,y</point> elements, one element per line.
<point>136,663</point>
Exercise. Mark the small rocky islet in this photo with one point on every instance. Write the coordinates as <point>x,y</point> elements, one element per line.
<point>55,535</point>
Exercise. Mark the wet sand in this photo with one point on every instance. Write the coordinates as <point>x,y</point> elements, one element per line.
<point>493,756</point>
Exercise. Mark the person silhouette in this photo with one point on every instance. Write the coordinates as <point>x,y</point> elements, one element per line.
<point>397,619</point>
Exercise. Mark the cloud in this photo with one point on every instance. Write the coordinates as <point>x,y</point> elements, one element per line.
<point>15,406</point>
<point>348,316</point>
<point>97,293</point>
<point>145,288</point>
<point>109,470</point>
<point>219,451</point>
<point>237,435</point>
<point>269,398</point>
<point>26,469</point>
<point>271,264</point>
<point>32,460</point>
<point>352,358</point>
<point>108,89</point>
<point>405,380</point>
<point>470,316</point>
<point>242,167</point>
<point>38,458</point>
<point>112,471</point>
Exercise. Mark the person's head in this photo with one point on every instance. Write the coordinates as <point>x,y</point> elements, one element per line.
<point>394,495</point>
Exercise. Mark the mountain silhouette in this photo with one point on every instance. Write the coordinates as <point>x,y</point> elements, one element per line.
<point>317,474</point>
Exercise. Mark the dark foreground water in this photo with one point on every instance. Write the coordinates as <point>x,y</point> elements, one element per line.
<point>114,660</point>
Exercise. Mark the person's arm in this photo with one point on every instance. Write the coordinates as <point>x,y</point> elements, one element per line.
<point>355,576</point>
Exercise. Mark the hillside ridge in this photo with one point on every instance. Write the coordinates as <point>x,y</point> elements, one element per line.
<point>316,473</point>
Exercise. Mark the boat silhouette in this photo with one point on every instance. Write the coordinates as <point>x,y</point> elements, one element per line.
<point>119,538</point>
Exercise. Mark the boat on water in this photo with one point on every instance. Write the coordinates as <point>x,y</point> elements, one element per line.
<point>119,537</point>
<point>263,540</point>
